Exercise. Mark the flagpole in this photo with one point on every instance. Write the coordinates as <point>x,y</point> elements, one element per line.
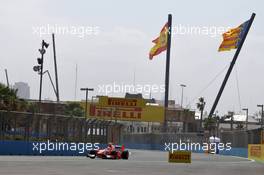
<point>167,73</point>
<point>55,68</point>
<point>232,65</point>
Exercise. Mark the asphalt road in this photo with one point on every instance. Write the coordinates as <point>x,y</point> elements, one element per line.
<point>140,162</point>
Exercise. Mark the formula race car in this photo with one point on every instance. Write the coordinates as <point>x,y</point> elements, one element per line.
<point>111,152</point>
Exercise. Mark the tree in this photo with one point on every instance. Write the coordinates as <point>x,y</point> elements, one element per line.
<point>257,116</point>
<point>240,126</point>
<point>210,123</point>
<point>32,107</point>
<point>8,96</point>
<point>10,101</point>
<point>74,109</point>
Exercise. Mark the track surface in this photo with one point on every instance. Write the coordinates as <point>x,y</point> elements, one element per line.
<point>140,162</point>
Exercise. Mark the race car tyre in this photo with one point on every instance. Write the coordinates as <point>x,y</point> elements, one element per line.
<point>92,154</point>
<point>114,154</point>
<point>125,155</point>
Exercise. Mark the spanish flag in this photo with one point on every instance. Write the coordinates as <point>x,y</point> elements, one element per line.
<point>232,38</point>
<point>160,42</point>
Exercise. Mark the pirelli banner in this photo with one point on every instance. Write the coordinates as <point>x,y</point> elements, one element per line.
<point>111,108</point>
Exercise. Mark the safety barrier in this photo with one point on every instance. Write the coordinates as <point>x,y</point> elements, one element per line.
<point>27,148</point>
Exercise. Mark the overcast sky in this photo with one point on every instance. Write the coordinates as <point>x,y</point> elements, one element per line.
<point>117,48</point>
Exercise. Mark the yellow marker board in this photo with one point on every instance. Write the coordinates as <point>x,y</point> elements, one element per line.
<point>180,157</point>
<point>256,151</point>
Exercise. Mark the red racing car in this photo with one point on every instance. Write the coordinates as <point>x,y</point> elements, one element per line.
<point>111,152</point>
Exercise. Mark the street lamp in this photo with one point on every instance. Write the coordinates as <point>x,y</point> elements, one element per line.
<point>182,86</point>
<point>246,109</point>
<point>86,98</point>
<point>39,67</point>
<point>261,106</point>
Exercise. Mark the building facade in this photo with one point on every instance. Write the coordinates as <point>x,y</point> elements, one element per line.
<point>23,90</point>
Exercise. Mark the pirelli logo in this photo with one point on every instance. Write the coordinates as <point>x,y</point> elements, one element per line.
<point>122,102</point>
<point>255,151</point>
<point>180,157</point>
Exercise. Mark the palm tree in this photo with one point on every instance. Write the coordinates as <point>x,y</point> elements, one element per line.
<point>200,107</point>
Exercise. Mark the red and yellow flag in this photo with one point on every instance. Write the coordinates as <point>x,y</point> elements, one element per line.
<point>160,42</point>
<point>232,38</point>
